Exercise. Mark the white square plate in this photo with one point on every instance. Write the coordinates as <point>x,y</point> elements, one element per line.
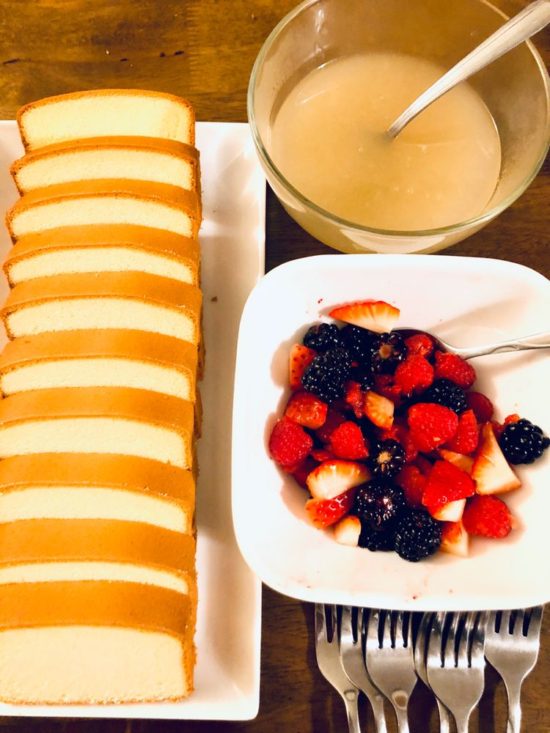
<point>227,677</point>
<point>467,301</point>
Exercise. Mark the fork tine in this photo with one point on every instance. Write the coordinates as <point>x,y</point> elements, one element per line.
<point>320,622</point>
<point>347,633</point>
<point>535,621</point>
<point>505,618</point>
<point>373,635</point>
<point>450,644</point>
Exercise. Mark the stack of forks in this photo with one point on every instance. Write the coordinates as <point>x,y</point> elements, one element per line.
<point>382,654</point>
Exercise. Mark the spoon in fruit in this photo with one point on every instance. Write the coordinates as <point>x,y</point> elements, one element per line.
<point>532,341</point>
<point>518,29</point>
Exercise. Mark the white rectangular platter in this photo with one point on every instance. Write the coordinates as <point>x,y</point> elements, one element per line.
<point>227,678</point>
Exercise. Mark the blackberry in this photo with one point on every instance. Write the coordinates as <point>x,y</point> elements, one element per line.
<point>323,337</point>
<point>386,459</point>
<point>358,341</point>
<point>374,539</point>
<point>327,373</point>
<point>377,503</point>
<point>363,375</point>
<point>446,393</point>
<point>387,351</point>
<point>523,442</point>
<point>417,535</point>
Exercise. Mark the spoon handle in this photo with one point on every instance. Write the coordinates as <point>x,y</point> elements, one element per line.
<point>533,341</point>
<point>519,28</point>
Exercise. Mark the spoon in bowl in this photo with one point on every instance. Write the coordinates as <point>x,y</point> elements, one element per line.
<point>524,343</point>
<point>518,29</point>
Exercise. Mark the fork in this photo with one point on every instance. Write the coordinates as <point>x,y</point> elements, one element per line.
<point>389,659</point>
<point>512,645</point>
<point>456,664</point>
<point>420,650</point>
<point>352,626</point>
<point>328,660</point>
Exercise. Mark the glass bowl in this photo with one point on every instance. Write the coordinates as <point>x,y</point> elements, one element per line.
<point>515,89</point>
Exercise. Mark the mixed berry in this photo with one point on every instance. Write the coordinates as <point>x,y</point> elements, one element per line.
<point>396,449</point>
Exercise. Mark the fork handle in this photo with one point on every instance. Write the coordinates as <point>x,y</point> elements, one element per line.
<point>352,710</point>
<point>444,720</point>
<point>514,709</point>
<point>402,720</point>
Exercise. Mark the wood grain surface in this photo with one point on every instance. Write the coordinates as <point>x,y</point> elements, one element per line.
<point>204,50</point>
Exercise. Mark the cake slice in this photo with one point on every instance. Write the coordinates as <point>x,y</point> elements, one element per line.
<point>108,248</point>
<point>131,158</point>
<point>100,358</point>
<point>131,422</point>
<point>104,300</point>
<point>45,550</point>
<point>107,202</point>
<point>94,642</point>
<point>104,113</point>
<point>96,486</point>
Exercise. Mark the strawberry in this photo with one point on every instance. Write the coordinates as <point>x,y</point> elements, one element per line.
<point>446,483</point>
<point>491,471</point>
<point>300,358</point>
<point>421,344</point>
<point>374,315</point>
<point>452,511</point>
<point>454,539</point>
<point>454,368</point>
<point>289,444</point>
<point>348,530</point>
<point>459,460</point>
<point>413,482</point>
<point>466,438</point>
<point>334,418</point>
<point>347,441</point>
<point>481,405</point>
<point>384,384</point>
<point>431,425</point>
<point>307,410</point>
<point>324,512</point>
<point>414,374</point>
<point>320,455</point>
<point>355,398</point>
<point>487,516</point>
<point>379,409</point>
<point>331,478</point>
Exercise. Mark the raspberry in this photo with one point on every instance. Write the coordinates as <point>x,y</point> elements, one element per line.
<point>355,398</point>
<point>306,410</point>
<point>414,374</point>
<point>289,444</point>
<point>481,405</point>
<point>455,369</point>
<point>487,516</point>
<point>446,483</point>
<point>413,482</point>
<point>431,425</point>
<point>420,344</point>
<point>334,418</point>
<point>347,442</point>
<point>466,437</point>
<point>384,384</point>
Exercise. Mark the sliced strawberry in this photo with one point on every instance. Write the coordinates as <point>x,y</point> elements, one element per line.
<point>334,418</point>
<point>454,539</point>
<point>324,512</point>
<point>487,516</point>
<point>307,410</point>
<point>420,344</point>
<point>289,444</point>
<point>300,358</point>
<point>481,405</point>
<point>414,374</point>
<point>452,511</point>
<point>446,483</point>
<point>459,460</point>
<point>491,471</point>
<point>348,530</point>
<point>466,438</point>
<point>355,398</point>
<point>331,478</point>
<point>379,409</point>
<point>347,441</point>
<point>413,482</point>
<point>374,315</point>
<point>431,425</point>
<point>454,368</point>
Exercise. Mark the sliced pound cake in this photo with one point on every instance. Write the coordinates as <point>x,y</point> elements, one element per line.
<point>106,202</point>
<point>104,113</point>
<point>132,422</point>
<point>103,248</point>
<point>100,358</point>
<point>131,158</point>
<point>104,300</point>
<point>96,486</point>
<point>94,642</point>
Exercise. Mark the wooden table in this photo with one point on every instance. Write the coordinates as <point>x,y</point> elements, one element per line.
<point>204,50</point>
